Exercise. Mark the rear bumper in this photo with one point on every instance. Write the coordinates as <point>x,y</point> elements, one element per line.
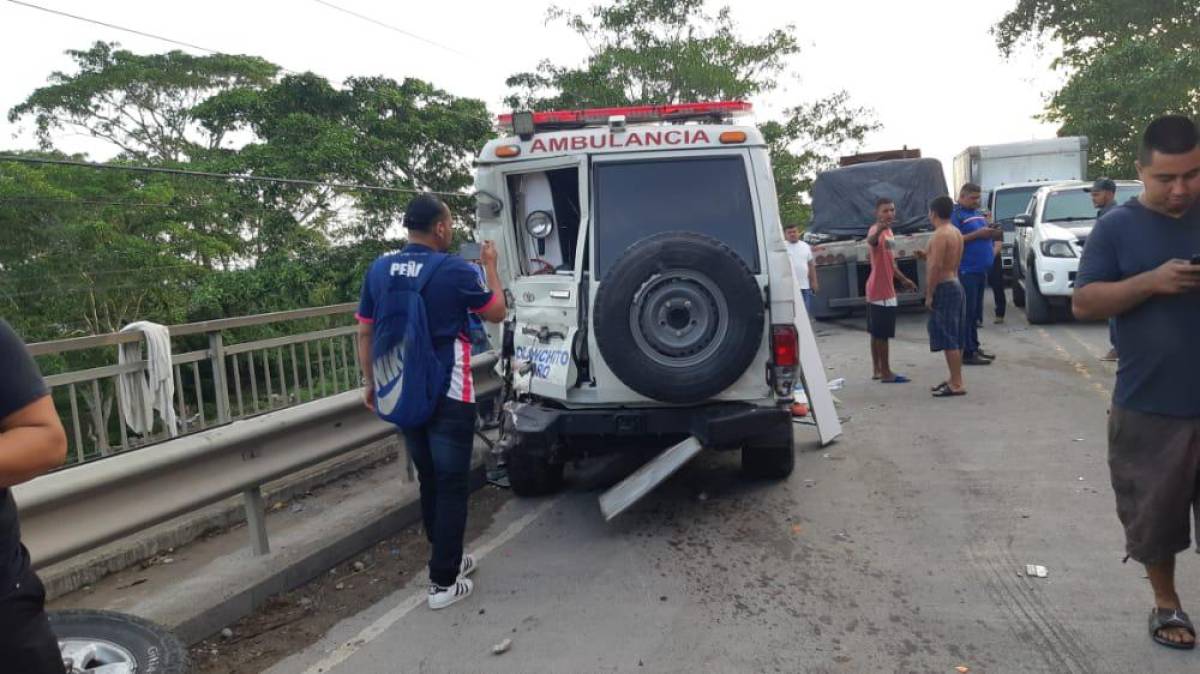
<point>721,426</point>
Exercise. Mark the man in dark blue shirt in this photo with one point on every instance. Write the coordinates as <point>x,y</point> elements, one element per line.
<point>1132,270</point>
<point>32,442</point>
<point>441,449</point>
<point>1104,198</point>
<point>973,271</point>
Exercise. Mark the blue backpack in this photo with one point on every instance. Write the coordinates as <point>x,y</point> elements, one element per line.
<point>410,381</point>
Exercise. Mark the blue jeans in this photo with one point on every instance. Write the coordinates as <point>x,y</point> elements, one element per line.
<point>974,284</point>
<point>807,294</point>
<point>441,452</point>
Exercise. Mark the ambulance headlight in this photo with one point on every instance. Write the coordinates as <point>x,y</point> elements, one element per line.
<point>539,224</point>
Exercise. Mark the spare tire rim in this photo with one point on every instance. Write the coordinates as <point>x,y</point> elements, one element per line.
<point>679,318</point>
<point>87,655</point>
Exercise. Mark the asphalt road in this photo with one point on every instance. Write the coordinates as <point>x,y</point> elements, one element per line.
<point>900,548</point>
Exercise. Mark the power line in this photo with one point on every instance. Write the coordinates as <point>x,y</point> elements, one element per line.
<point>192,265</point>
<point>51,291</point>
<point>67,201</point>
<point>113,26</point>
<point>226,176</point>
<point>377,22</point>
<point>133,31</point>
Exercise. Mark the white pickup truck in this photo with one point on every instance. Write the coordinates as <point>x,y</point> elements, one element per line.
<point>1050,237</point>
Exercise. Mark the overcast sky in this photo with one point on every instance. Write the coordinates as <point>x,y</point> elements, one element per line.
<point>929,69</point>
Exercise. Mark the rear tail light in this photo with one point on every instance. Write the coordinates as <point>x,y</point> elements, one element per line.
<point>785,345</point>
<point>785,357</point>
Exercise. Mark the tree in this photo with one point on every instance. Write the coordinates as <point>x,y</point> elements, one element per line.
<point>1127,63</point>
<point>405,135</point>
<point>141,103</point>
<point>806,142</point>
<point>667,51</point>
<point>655,51</point>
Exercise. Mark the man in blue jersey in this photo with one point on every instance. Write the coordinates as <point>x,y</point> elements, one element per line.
<point>441,447</point>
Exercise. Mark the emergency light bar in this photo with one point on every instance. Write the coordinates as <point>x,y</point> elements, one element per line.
<point>633,114</point>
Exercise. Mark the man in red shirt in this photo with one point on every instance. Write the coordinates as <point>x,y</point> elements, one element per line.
<point>881,290</point>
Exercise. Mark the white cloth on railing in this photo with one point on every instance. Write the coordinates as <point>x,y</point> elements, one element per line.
<point>144,391</point>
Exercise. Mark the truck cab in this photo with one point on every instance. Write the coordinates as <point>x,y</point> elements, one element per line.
<point>1050,237</point>
<point>1006,202</point>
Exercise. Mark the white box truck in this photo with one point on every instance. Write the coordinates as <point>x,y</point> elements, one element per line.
<point>1052,159</point>
<point>1010,173</point>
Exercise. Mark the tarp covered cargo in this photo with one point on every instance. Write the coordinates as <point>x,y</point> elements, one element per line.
<point>844,198</point>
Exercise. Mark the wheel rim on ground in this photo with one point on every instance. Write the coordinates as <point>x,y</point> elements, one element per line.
<point>89,655</point>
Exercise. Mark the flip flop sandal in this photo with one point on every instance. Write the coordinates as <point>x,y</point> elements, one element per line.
<point>947,392</point>
<point>1165,618</point>
<point>898,379</point>
<point>935,389</point>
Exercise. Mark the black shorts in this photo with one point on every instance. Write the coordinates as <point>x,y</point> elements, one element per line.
<point>881,321</point>
<point>1155,466</point>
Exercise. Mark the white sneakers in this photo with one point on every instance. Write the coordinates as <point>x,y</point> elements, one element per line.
<point>441,597</point>
<point>468,566</point>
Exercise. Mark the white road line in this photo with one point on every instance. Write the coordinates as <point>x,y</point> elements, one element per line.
<point>377,628</point>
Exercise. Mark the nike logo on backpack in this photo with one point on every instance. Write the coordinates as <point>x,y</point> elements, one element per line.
<point>387,393</point>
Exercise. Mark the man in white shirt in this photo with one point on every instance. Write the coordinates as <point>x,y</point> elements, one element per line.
<point>803,268</point>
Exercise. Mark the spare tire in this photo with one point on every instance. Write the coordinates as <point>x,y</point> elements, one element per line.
<point>111,641</point>
<point>679,317</point>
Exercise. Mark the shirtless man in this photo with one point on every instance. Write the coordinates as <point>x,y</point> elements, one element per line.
<point>944,296</point>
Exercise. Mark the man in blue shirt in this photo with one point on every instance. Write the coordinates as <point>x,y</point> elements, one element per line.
<point>441,449</point>
<point>976,263</point>
<point>32,442</point>
<point>1104,198</point>
<point>1132,270</point>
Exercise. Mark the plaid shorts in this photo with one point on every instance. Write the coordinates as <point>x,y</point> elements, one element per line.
<point>946,316</point>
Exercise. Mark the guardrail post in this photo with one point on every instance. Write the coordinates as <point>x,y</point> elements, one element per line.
<point>256,520</point>
<point>216,353</point>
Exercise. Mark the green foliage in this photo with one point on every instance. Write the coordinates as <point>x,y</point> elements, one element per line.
<point>1127,63</point>
<point>87,251</point>
<point>654,51</point>
<point>662,51</point>
<point>140,103</point>
<point>806,142</point>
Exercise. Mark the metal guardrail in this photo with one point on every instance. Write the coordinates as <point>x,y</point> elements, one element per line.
<point>74,510</point>
<point>214,386</point>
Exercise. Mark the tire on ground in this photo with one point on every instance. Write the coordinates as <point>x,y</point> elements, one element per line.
<point>1037,307</point>
<point>118,637</point>
<point>679,317</point>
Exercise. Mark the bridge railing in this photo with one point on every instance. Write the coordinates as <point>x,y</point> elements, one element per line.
<point>257,411</point>
<point>221,381</point>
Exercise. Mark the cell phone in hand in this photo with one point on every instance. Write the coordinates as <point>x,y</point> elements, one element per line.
<point>470,251</point>
<point>1196,259</point>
